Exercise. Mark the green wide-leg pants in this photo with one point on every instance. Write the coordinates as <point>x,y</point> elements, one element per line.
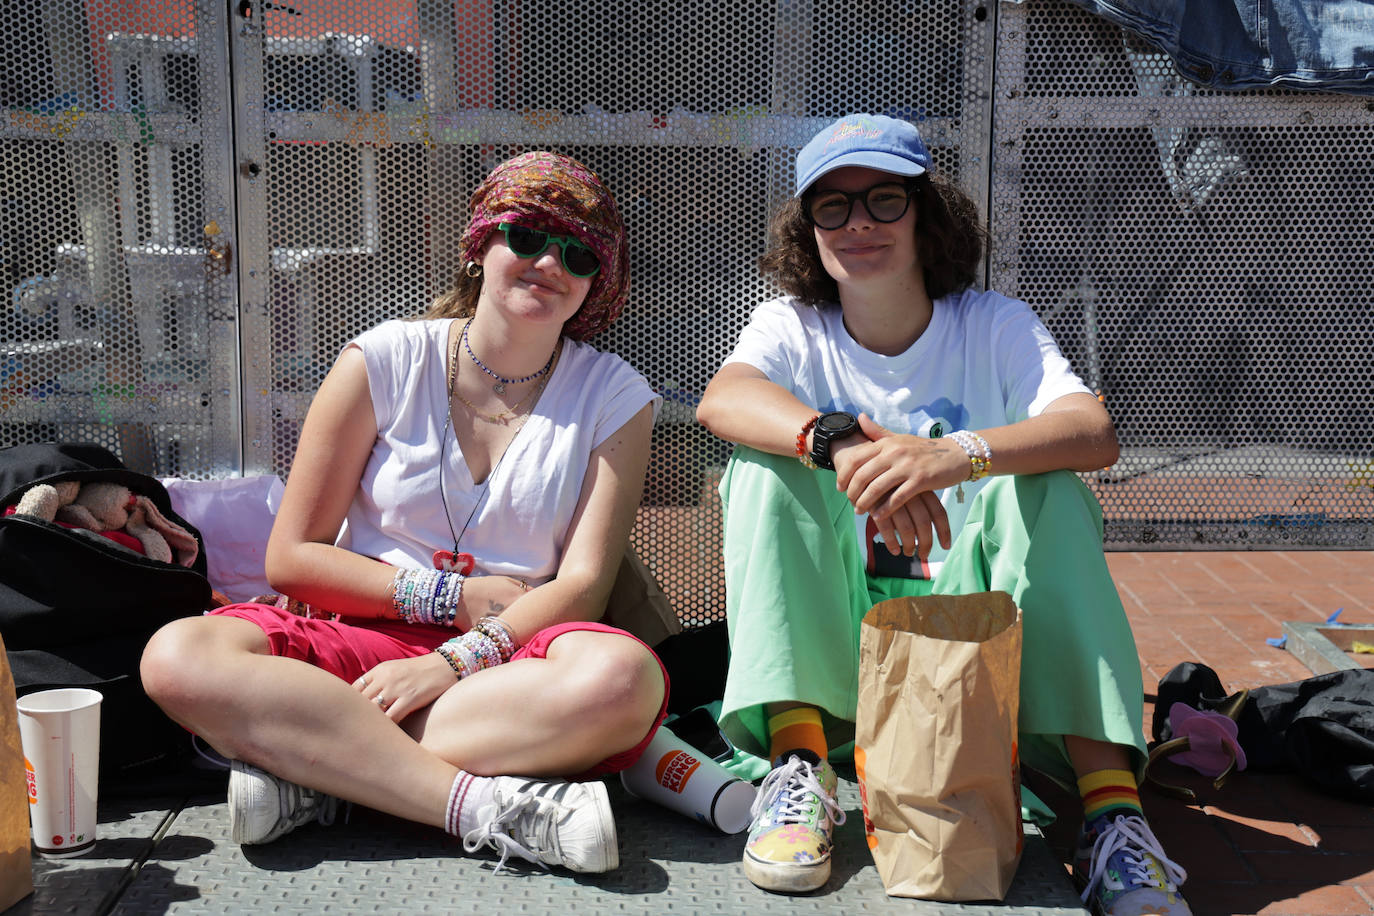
<point>797,590</point>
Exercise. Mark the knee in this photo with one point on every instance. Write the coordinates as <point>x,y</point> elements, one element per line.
<point>765,474</point>
<point>162,666</point>
<point>1060,495</point>
<point>177,667</point>
<point>1052,486</point>
<point>774,500</point>
<point>622,683</point>
<point>1037,486</point>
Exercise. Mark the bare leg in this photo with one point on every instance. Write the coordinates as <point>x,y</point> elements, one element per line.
<point>1088,755</point>
<point>215,676</point>
<point>594,695</point>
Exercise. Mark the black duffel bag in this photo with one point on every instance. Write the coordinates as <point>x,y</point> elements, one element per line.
<point>1321,727</point>
<point>76,610</point>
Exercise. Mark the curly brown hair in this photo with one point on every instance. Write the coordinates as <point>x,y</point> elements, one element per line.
<point>950,241</point>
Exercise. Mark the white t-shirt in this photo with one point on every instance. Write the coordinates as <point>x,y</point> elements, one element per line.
<point>985,360</point>
<point>524,508</point>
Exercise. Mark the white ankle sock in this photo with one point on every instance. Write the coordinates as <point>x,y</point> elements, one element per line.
<point>468,795</point>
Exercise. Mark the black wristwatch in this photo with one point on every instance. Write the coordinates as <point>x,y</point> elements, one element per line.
<point>829,427</point>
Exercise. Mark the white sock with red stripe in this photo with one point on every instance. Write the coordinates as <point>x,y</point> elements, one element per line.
<point>468,795</point>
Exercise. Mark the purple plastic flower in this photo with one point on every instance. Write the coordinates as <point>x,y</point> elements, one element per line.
<point>1209,736</point>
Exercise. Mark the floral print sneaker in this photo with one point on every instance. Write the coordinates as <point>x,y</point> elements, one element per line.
<point>1125,871</point>
<point>795,814</point>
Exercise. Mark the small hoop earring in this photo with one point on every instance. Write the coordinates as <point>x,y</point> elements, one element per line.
<point>473,269</point>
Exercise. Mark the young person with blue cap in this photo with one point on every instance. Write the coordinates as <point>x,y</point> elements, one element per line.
<point>901,432</point>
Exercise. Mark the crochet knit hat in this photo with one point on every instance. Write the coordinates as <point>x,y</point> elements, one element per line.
<point>553,192</point>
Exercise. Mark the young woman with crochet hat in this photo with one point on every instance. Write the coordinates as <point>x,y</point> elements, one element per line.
<point>455,515</point>
<point>902,433</point>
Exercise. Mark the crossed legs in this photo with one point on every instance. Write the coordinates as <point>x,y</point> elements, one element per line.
<point>595,694</point>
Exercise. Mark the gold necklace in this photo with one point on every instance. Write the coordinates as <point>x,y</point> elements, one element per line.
<point>510,413</point>
<point>505,416</point>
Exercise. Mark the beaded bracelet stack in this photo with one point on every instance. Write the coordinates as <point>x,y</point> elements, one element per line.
<point>979,456</point>
<point>489,643</point>
<point>426,596</point>
<point>803,453</point>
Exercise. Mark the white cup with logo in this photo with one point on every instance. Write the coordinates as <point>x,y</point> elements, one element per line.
<point>60,731</point>
<point>678,776</point>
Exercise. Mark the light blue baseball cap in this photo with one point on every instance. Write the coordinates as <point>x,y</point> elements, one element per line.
<point>874,141</point>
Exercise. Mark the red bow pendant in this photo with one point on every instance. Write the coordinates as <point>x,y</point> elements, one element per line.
<point>462,562</point>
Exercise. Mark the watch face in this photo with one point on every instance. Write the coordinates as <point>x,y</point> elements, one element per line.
<point>835,421</point>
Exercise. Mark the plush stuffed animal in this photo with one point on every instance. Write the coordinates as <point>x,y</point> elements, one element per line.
<point>42,500</point>
<point>105,506</point>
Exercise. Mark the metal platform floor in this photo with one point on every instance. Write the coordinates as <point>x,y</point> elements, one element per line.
<point>175,856</point>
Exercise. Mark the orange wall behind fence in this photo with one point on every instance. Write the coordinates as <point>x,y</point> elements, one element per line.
<point>394,23</point>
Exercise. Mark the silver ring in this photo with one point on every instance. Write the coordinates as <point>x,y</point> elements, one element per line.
<point>380,700</point>
<point>363,680</point>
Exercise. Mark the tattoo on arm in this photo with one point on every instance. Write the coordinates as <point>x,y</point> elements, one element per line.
<point>495,608</point>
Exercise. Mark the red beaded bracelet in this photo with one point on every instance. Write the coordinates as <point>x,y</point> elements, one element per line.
<point>803,454</point>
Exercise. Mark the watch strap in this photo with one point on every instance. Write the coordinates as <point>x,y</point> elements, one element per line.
<point>822,437</point>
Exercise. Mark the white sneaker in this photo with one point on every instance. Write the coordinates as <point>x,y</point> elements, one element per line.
<point>263,807</point>
<point>548,823</point>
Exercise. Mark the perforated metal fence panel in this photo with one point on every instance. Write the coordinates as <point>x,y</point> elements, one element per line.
<point>365,127</point>
<point>204,201</point>
<point>116,232</point>
<point>1206,259</point>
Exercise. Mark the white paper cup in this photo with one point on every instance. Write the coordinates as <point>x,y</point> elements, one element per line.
<point>60,730</point>
<point>677,776</point>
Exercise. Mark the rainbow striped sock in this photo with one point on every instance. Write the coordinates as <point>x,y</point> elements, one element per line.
<point>1111,792</point>
<point>796,728</point>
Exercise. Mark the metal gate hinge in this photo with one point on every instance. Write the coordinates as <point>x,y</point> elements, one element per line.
<point>218,255</point>
<point>218,259</point>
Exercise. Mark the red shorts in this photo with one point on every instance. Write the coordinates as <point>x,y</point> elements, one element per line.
<point>351,647</point>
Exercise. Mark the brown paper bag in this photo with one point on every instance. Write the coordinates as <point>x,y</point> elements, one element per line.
<point>16,876</point>
<point>638,605</point>
<point>935,744</point>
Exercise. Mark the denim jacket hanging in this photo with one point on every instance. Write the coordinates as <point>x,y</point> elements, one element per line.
<point>1255,44</point>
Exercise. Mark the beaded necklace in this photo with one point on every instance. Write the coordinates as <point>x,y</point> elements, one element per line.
<point>504,416</point>
<point>501,382</point>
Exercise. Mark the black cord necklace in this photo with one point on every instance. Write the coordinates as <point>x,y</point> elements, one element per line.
<point>456,560</point>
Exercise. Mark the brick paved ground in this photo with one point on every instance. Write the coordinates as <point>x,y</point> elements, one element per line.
<point>1264,843</point>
